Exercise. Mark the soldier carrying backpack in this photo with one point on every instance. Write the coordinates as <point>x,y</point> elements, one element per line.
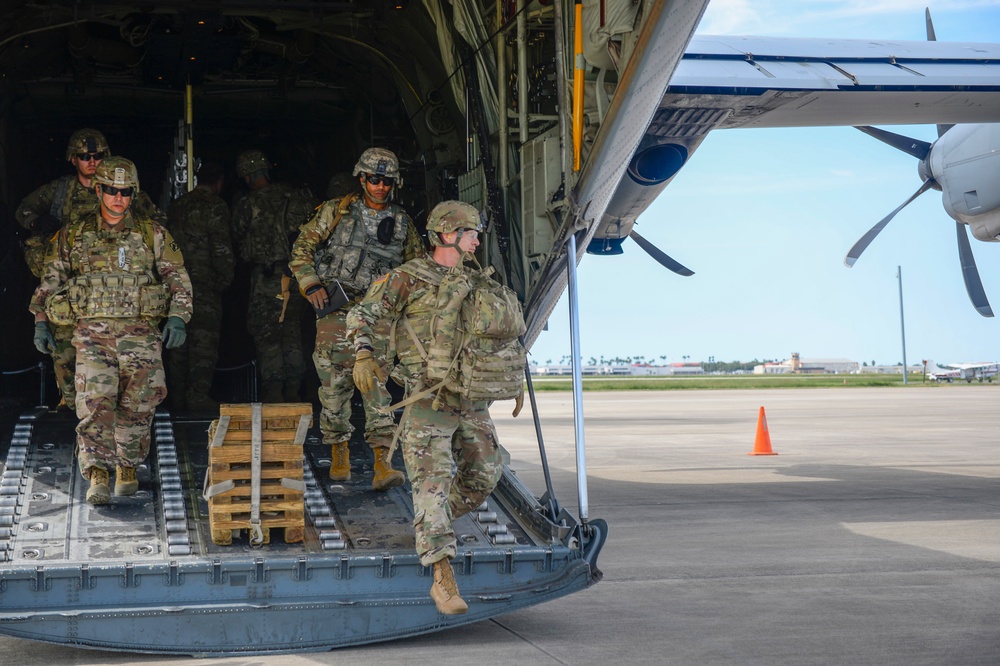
<point>456,332</point>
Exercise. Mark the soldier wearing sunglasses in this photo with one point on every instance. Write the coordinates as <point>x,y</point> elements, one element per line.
<point>353,240</point>
<point>113,277</point>
<point>54,205</point>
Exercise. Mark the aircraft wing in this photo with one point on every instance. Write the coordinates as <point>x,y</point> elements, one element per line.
<point>726,82</point>
<point>770,82</point>
<point>974,366</point>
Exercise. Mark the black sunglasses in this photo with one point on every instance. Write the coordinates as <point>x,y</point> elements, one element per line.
<point>115,191</point>
<point>87,157</point>
<point>376,179</point>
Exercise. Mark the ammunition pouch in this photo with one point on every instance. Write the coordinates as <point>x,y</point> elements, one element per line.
<point>114,296</point>
<point>58,309</point>
<point>491,372</point>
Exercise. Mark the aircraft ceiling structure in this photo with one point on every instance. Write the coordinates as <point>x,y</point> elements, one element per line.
<point>310,83</point>
<point>314,83</point>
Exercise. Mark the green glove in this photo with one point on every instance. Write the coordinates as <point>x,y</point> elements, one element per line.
<point>44,342</point>
<point>366,369</point>
<point>174,333</point>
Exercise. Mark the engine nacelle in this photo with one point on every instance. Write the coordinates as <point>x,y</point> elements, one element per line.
<point>965,162</point>
<point>649,171</point>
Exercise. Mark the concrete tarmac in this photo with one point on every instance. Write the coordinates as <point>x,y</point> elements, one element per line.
<point>873,537</point>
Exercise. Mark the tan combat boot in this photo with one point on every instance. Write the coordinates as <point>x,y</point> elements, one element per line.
<point>444,591</point>
<point>99,493</point>
<point>125,481</point>
<point>340,462</point>
<point>385,476</point>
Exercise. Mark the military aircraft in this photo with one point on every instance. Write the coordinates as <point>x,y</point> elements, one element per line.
<point>561,121</point>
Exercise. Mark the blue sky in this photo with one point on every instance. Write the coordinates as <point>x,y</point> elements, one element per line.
<point>765,217</point>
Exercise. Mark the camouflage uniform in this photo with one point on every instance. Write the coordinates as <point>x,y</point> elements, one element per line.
<point>334,352</point>
<point>440,430</point>
<point>199,222</point>
<point>78,203</point>
<point>119,373</point>
<point>264,221</point>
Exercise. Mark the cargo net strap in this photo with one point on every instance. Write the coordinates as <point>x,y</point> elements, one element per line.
<point>210,491</point>
<point>256,425</point>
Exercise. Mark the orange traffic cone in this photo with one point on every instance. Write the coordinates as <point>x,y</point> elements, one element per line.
<point>762,444</point>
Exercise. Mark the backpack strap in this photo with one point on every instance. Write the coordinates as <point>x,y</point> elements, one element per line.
<point>59,200</point>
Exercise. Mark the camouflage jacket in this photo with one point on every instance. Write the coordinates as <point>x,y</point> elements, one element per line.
<point>78,202</point>
<point>199,222</point>
<point>266,220</point>
<point>352,252</point>
<point>394,295</point>
<point>87,248</point>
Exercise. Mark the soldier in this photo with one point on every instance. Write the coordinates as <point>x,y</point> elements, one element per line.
<point>341,184</point>
<point>54,205</point>
<point>199,222</point>
<point>354,240</point>
<point>442,429</point>
<point>265,222</point>
<point>116,275</point>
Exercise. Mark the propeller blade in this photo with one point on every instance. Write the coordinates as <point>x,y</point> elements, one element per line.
<point>973,285</point>
<point>916,147</point>
<point>932,37</point>
<point>865,241</point>
<point>661,258</point>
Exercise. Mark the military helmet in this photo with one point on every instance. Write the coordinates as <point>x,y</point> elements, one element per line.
<point>86,141</point>
<point>341,184</point>
<point>117,172</point>
<point>379,161</point>
<point>451,216</point>
<point>250,161</point>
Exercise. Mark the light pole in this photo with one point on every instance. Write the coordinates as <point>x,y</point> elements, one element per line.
<point>902,326</point>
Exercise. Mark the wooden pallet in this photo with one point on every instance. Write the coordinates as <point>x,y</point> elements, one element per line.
<point>254,480</point>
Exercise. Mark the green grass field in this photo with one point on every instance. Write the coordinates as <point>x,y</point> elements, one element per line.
<point>715,382</point>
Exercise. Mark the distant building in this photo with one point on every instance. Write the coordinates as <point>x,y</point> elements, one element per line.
<point>799,366</point>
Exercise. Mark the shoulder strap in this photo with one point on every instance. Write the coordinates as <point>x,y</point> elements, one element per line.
<point>343,208</point>
<point>59,199</point>
<point>420,270</point>
<point>148,233</point>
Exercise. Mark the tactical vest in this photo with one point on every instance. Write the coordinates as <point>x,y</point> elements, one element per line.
<point>464,330</point>
<point>115,277</point>
<point>353,253</point>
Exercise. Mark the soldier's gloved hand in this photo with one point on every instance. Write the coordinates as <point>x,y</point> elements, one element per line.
<point>518,404</point>
<point>174,333</point>
<point>44,342</point>
<point>366,369</point>
<point>46,225</point>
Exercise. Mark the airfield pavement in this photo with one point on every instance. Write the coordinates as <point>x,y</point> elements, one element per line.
<point>873,537</point>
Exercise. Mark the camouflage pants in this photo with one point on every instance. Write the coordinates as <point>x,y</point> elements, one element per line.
<point>119,383</point>
<point>191,367</point>
<point>279,344</point>
<point>434,443</point>
<point>334,359</point>
<point>64,362</point>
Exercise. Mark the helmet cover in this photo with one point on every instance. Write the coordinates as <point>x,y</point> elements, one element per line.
<point>86,140</point>
<point>451,216</point>
<point>117,172</point>
<point>250,161</point>
<point>379,161</point>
